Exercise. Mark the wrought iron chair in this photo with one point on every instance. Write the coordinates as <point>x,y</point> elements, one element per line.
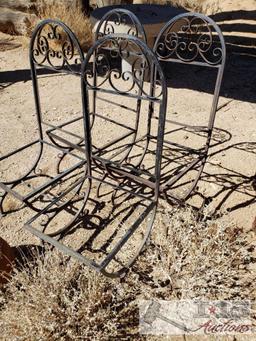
<point>116,226</point>
<point>55,48</point>
<point>190,39</point>
<point>112,21</point>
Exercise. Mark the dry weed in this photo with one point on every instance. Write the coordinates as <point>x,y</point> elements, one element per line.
<point>57,299</point>
<point>208,259</point>
<point>73,17</point>
<point>53,299</point>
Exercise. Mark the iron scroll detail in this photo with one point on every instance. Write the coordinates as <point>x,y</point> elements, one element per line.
<point>112,77</point>
<point>120,17</point>
<point>54,45</point>
<point>190,38</point>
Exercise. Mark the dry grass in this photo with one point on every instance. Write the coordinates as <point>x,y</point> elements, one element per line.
<point>61,300</point>
<point>53,299</point>
<point>195,5</point>
<point>72,17</point>
<point>204,258</point>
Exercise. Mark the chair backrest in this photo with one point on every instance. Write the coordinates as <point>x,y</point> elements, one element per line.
<point>193,38</point>
<point>117,19</point>
<point>54,47</point>
<point>120,120</point>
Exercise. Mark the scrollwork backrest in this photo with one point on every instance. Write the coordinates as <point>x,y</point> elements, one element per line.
<point>191,38</point>
<point>120,21</point>
<point>53,45</point>
<point>102,71</point>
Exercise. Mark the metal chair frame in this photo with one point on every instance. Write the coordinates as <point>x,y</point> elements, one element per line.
<point>121,172</point>
<point>106,26</point>
<point>189,39</point>
<point>43,55</point>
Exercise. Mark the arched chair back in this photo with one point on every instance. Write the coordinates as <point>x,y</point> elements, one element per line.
<point>116,21</point>
<point>192,39</point>
<point>127,87</point>
<point>54,47</point>
<point>117,155</point>
<point>120,20</point>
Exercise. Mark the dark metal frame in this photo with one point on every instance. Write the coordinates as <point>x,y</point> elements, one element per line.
<point>121,172</point>
<point>117,16</point>
<point>190,38</point>
<point>106,26</point>
<point>43,54</point>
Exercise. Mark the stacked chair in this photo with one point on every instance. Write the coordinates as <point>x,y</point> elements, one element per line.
<point>101,207</point>
<point>64,59</point>
<point>192,40</point>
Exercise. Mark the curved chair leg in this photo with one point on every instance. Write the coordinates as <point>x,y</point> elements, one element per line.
<point>60,146</point>
<point>122,271</point>
<point>54,238</point>
<point>11,184</point>
<point>50,218</point>
<point>200,164</point>
<point>104,176</point>
<point>32,200</point>
<point>31,169</point>
<point>69,225</point>
<point>191,189</point>
<point>63,154</point>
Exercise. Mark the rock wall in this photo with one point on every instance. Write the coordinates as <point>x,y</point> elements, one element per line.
<point>16,22</point>
<point>18,16</point>
<point>19,5</point>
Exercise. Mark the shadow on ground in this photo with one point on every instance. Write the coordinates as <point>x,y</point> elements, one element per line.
<point>239,35</point>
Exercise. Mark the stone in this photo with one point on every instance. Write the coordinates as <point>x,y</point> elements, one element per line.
<point>16,22</point>
<point>20,5</point>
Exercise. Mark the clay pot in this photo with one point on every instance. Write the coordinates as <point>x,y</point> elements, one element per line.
<point>7,257</point>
